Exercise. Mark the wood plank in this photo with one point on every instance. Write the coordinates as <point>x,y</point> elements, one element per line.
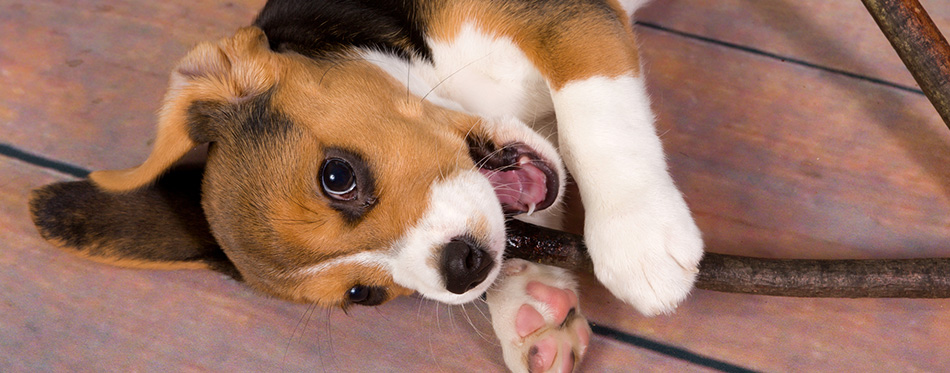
<point>775,334</point>
<point>83,81</point>
<point>779,160</point>
<point>839,34</point>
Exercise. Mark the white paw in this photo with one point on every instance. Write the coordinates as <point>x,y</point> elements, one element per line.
<point>647,254</point>
<point>537,318</point>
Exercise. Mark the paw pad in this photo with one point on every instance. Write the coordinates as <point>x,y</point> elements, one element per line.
<point>536,315</point>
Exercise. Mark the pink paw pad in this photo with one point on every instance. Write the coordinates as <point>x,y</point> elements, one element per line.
<point>543,355</point>
<point>559,301</point>
<point>552,349</point>
<point>528,320</point>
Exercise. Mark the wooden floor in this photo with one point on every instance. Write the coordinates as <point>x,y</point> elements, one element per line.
<point>791,126</point>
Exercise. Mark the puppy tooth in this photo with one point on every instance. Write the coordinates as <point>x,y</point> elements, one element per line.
<point>523,160</point>
<point>531,207</point>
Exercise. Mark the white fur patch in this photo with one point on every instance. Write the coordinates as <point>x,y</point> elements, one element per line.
<point>605,128</point>
<point>479,73</point>
<point>631,6</point>
<point>639,231</point>
<point>456,207</point>
<point>365,258</point>
<point>410,74</point>
<point>489,75</point>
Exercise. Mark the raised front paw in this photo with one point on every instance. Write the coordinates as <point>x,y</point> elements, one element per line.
<point>647,254</point>
<point>537,319</point>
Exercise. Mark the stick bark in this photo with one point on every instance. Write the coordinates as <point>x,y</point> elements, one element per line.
<point>920,46</point>
<point>876,278</point>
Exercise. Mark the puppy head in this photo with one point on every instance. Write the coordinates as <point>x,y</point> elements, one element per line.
<point>325,182</point>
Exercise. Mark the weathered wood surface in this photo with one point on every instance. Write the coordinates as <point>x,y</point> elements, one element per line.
<point>783,161</point>
<point>834,34</point>
<point>772,156</point>
<point>94,72</point>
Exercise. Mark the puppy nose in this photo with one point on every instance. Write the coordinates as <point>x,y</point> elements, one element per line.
<point>464,265</point>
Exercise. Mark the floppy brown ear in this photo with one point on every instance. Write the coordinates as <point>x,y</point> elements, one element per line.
<point>228,70</point>
<point>138,217</point>
<point>161,226</point>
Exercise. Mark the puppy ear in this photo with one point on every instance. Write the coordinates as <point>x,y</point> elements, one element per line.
<point>161,226</point>
<point>227,71</point>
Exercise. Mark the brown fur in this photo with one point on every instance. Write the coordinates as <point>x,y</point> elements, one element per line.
<point>566,40</point>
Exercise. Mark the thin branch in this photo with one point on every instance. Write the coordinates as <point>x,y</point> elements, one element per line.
<point>878,278</point>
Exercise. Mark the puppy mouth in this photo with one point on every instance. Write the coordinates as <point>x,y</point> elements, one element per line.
<point>523,181</point>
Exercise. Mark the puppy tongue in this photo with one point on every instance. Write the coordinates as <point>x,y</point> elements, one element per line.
<point>520,188</point>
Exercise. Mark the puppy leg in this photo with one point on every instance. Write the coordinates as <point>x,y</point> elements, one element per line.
<point>537,318</point>
<point>638,229</point>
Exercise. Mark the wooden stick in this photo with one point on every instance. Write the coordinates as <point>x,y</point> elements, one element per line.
<point>920,45</point>
<point>890,278</point>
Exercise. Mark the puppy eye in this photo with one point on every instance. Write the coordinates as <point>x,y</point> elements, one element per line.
<point>346,181</point>
<point>358,294</point>
<point>338,179</point>
<point>366,295</point>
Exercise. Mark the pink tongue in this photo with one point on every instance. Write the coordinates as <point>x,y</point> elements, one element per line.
<point>518,189</point>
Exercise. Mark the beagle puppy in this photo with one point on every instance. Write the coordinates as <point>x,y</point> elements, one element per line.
<point>359,150</point>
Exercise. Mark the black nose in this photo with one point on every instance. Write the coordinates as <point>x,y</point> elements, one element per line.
<point>464,265</point>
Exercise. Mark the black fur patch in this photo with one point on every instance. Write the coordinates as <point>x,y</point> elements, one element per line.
<point>253,120</point>
<point>163,223</point>
<point>320,28</point>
